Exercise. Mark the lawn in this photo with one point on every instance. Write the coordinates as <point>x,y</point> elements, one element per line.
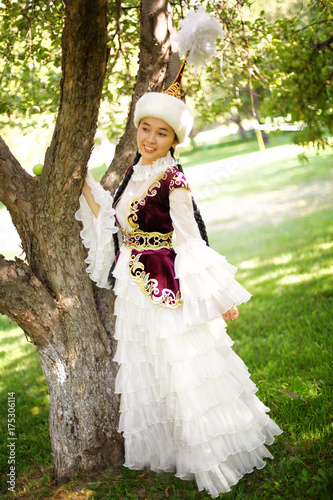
<point>274,221</point>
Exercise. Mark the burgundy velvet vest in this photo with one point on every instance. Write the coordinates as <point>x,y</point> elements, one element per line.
<point>153,269</point>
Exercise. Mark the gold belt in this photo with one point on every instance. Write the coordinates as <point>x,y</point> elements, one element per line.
<point>146,241</point>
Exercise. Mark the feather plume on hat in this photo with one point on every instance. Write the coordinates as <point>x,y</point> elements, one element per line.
<point>198,34</point>
<point>197,41</point>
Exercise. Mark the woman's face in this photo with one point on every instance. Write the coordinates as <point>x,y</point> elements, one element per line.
<point>155,138</point>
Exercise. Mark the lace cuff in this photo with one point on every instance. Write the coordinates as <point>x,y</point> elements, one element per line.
<point>207,283</point>
<point>97,232</point>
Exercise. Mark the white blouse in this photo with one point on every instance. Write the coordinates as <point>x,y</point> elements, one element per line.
<point>207,283</point>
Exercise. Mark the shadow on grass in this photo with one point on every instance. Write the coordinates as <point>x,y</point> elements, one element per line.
<point>285,337</point>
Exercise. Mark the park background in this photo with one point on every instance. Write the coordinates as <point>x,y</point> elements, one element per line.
<point>268,209</point>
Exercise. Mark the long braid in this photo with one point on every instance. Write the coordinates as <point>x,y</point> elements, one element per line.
<point>121,188</point>
<point>197,214</point>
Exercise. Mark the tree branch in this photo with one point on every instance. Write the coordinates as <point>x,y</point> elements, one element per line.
<point>17,192</point>
<point>325,43</point>
<point>24,299</point>
<point>310,25</point>
<point>84,46</point>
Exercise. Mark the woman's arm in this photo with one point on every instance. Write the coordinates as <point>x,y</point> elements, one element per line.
<point>97,232</point>
<point>207,281</point>
<point>86,191</point>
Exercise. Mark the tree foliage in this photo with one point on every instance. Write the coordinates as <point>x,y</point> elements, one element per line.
<point>30,56</point>
<point>271,67</point>
<point>282,59</point>
<point>299,71</point>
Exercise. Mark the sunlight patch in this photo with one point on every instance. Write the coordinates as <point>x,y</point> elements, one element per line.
<point>250,264</point>
<point>325,246</point>
<point>293,278</point>
<point>282,259</point>
<point>297,278</point>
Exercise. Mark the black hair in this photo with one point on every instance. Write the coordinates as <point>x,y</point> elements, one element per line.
<point>119,192</point>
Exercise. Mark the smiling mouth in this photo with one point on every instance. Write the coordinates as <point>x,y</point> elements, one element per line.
<point>150,150</point>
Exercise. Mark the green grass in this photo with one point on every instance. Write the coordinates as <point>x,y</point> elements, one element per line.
<point>228,148</point>
<point>275,174</point>
<point>21,373</point>
<point>284,335</point>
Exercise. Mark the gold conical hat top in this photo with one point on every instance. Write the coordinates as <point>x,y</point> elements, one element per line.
<point>174,89</point>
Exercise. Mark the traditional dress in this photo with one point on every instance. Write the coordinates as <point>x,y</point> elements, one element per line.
<point>187,402</point>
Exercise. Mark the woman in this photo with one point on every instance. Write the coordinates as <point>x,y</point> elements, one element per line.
<point>187,402</point>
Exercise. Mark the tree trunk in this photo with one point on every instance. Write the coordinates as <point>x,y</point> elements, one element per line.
<point>50,295</point>
<point>53,299</point>
<point>83,408</point>
<point>156,28</point>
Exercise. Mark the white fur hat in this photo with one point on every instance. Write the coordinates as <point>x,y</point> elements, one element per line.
<point>168,108</point>
<point>197,41</point>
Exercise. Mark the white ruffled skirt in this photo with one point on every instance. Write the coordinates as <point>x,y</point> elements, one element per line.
<point>187,402</point>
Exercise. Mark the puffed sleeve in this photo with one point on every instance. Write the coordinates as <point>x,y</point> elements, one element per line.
<point>97,233</point>
<point>207,281</point>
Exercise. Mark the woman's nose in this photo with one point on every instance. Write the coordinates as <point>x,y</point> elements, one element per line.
<point>151,137</point>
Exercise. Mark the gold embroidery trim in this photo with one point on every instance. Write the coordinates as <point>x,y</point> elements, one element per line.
<point>146,241</point>
<point>149,286</point>
<point>178,181</point>
<point>135,204</point>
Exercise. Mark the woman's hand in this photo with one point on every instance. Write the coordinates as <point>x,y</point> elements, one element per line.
<point>231,314</point>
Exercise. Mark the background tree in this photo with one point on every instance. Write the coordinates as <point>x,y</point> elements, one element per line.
<point>280,60</point>
<point>299,71</point>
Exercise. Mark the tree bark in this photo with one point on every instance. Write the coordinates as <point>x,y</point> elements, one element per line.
<point>21,295</point>
<point>50,295</point>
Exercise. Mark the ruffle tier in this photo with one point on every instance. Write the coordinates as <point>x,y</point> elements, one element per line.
<point>207,282</point>
<point>97,232</point>
<point>188,404</point>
